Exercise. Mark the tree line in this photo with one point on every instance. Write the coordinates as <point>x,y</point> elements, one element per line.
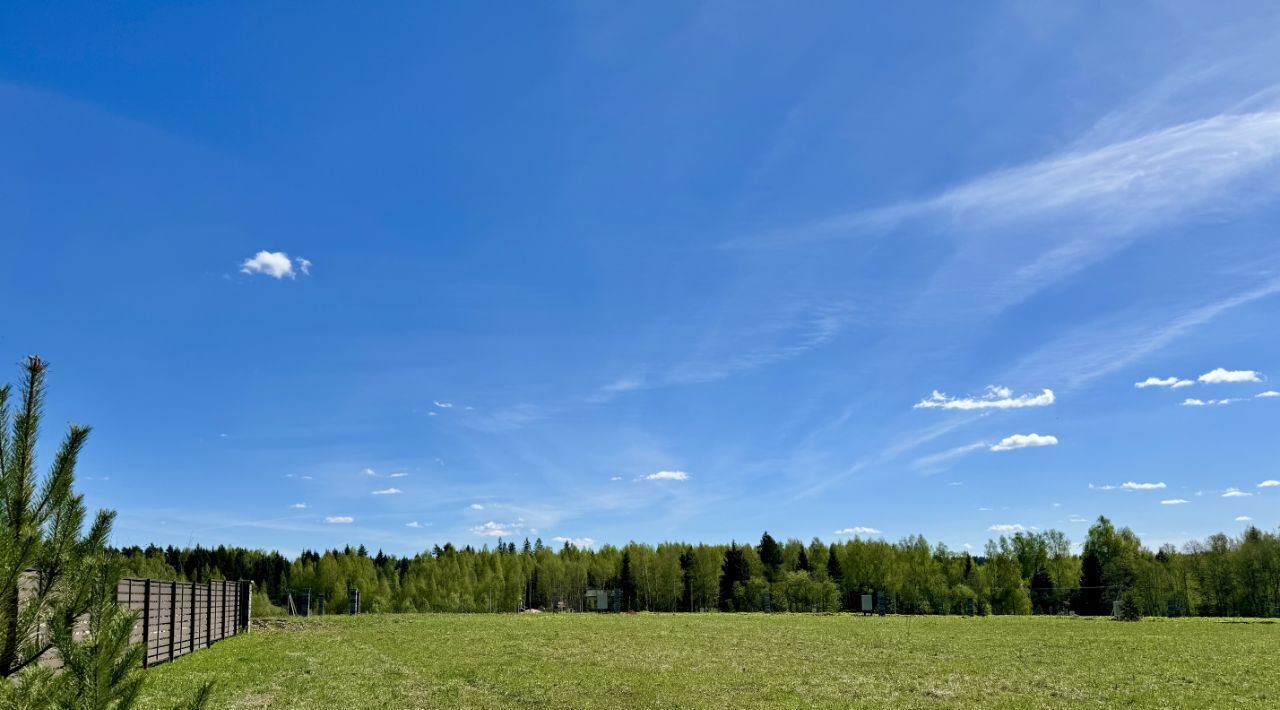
<point>1026,573</point>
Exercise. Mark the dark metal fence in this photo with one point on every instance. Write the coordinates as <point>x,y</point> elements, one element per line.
<point>177,618</point>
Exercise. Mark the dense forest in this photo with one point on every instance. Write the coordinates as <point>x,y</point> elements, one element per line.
<point>1028,573</point>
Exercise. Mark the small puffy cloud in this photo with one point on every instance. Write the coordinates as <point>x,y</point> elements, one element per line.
<point>1170,382</point>
<point>492,529</point>
<point>304,265</point>
<point>369,472</point>
<point>476,506</point>
<point>1267,395</point>
<point>1007,528</point>
<point>275,264</point>
<point>443,405</point>
<point>615,478</point>
<point>413,524</point>
<point>579,542</point>
<point>1135,486</point>
<point>1235,493</point>
<point>993,398</point>
<point>298,506</point>
<point>387,492</point>
<point>1243,518</point>
<point>1022,441</point>
<point>667,476</point>
<point>1270,483</point>
<point>1221,375</point>
<point>857,530</point>
<point>339,519</point>
<point>1175,501</point>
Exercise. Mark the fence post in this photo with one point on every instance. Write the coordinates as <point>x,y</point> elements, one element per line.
<point>208,614</point>
<point>246,605</point>
<point>191,638</point>
<point>173,613</point>
<point>146,621</point>
<point>222,618</point>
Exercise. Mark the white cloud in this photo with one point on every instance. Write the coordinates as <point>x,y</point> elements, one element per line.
<point>339,519</point>
<point>1235,493</point>
<point>492,529</point>
<point>387,492</point>
<point>304,265</point>
<point>994,398</point>
<point>1267,395</point>
<point>667,476</point>
<point>579,542</point>
<point>298,506</point>
<point>1170,382</point>
<point>1221,375</point>
<point>1192,402</point>
<point>443,405</point>
<point>1107,487</point>
<point>1243,518</point>
<point>1135,486</point>
<point>1007,527</point>
<point>1270,483</point>
<point>477,506</point>
<point>1175,501</point>
<point>857,530</point>
<point>1022,441</point>
<point>1077,519</point>
<point>398,474</point>
<point>414,524</point>
<point>615,478</point>
<point>275,264</point>
<point>369,472</point>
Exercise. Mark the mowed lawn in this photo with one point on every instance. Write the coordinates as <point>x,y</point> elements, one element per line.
<point>732,661</point>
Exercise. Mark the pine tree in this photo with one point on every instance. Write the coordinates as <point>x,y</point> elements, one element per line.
<point>54,579</point>
<point>39,530</point>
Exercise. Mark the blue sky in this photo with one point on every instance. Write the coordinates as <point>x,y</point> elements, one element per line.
<point>680,271</point>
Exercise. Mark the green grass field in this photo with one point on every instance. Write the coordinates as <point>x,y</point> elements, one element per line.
<point>733,661</point>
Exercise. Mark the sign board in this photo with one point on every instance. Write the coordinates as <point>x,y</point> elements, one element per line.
<point>867,607</point>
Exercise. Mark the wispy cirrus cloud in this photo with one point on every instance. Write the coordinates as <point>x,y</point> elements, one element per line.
<point>1194,402</point>
<point>994,397</point>
<point>667,476</point>
<point>857,530</point>
<point>1136,486</point>
<point>1007,528</point>
<point>1175,501</point>
<point>387,492</point>
<point>1170,382</point>
<point>339,519</point>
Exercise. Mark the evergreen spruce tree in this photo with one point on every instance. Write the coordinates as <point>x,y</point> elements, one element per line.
<point>627,582</point>
<point>735,572</point>
<point>770,556</point>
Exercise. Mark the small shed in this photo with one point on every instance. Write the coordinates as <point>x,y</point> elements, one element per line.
<point>603,600</point>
